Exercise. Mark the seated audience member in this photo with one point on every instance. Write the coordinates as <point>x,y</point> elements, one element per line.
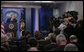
<point>49,36</point>
<point>70,47</point>
<point>68,30</point>
<point>74,40</point>
<point>69,15</point>
<point>14,47</point>
<point>79,30</point>
<point>38,35</point>
<point>42,44</point>
<point>9,35</point>
<point>33,49</point>
<point>61,42</point>
<point>79,33</point>
<point>47,39</point>
<point>22,46</point>
<point>33,44</point>
<point>26,35</point>
<point>52,44</point>
<point>3,48</point>
<point>56,32</point>
<point>10,40</point>
<point>5,43</point>
<point>74,14</point>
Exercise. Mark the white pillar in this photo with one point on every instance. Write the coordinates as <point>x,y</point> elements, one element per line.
<point>36,20</point>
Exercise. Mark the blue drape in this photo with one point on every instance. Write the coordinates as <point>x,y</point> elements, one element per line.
<point>33,21</point>
<point>17,10</point>
<point>42,12</point>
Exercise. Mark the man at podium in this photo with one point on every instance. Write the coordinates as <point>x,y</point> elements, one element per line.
<point>12,28</point>
<point>12,19</point>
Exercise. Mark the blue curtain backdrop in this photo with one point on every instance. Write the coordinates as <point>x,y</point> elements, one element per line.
<point>42,12</point>
<point>18,11</point>
<point>33,21</point>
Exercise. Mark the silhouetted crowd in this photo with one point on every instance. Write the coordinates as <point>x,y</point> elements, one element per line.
<point>66,34</point>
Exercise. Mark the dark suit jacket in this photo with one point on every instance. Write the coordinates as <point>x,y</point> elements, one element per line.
<point>50,46</point>
<point>59,48</point>
<point>14,21</point>
<point>69,30</point>
<point>9,20</point>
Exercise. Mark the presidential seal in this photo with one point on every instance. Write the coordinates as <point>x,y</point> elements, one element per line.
<point>11,26</point>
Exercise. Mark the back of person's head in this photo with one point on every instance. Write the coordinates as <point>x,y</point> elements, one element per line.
<point>9,35</point>
<point>57,31</point>
<point>32,49</point>
<point>4,48</point>
<point>80,23</point>
<point>27,32</point>
<point>56,23</point>
<point>69,14</point>
<point>74,14</point>
<point>4,39</point>
<point>50,34</point>
<point>5,43</point>
<point>22,44</point>
<point>36,33</point>
<point>32,42</point>
<point>60,39</point>
<point>71,47</point>
<point>53,38</point>
<point>73,38</point>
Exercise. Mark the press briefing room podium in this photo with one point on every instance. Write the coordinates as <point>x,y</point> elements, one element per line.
<point>12,28</point>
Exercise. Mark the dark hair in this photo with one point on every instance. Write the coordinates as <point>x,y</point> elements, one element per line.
<point>74,14</point>
<point>57,31</point>
<point>72,20</point>
<point>73,37</point>
<point>56,23</point>
<point>75,17</point>
<point>53,38</point>
<point>68,12</point>
<point>26,32</point>
<point>80,22</point>
<point>32,42</point>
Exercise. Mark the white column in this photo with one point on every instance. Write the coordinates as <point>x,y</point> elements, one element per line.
<point>36,20</point>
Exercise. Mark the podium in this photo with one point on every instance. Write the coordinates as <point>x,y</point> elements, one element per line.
<point>12,28</point>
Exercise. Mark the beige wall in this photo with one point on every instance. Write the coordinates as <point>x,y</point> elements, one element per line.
<point>56,13</point>
<point>73,5</point>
